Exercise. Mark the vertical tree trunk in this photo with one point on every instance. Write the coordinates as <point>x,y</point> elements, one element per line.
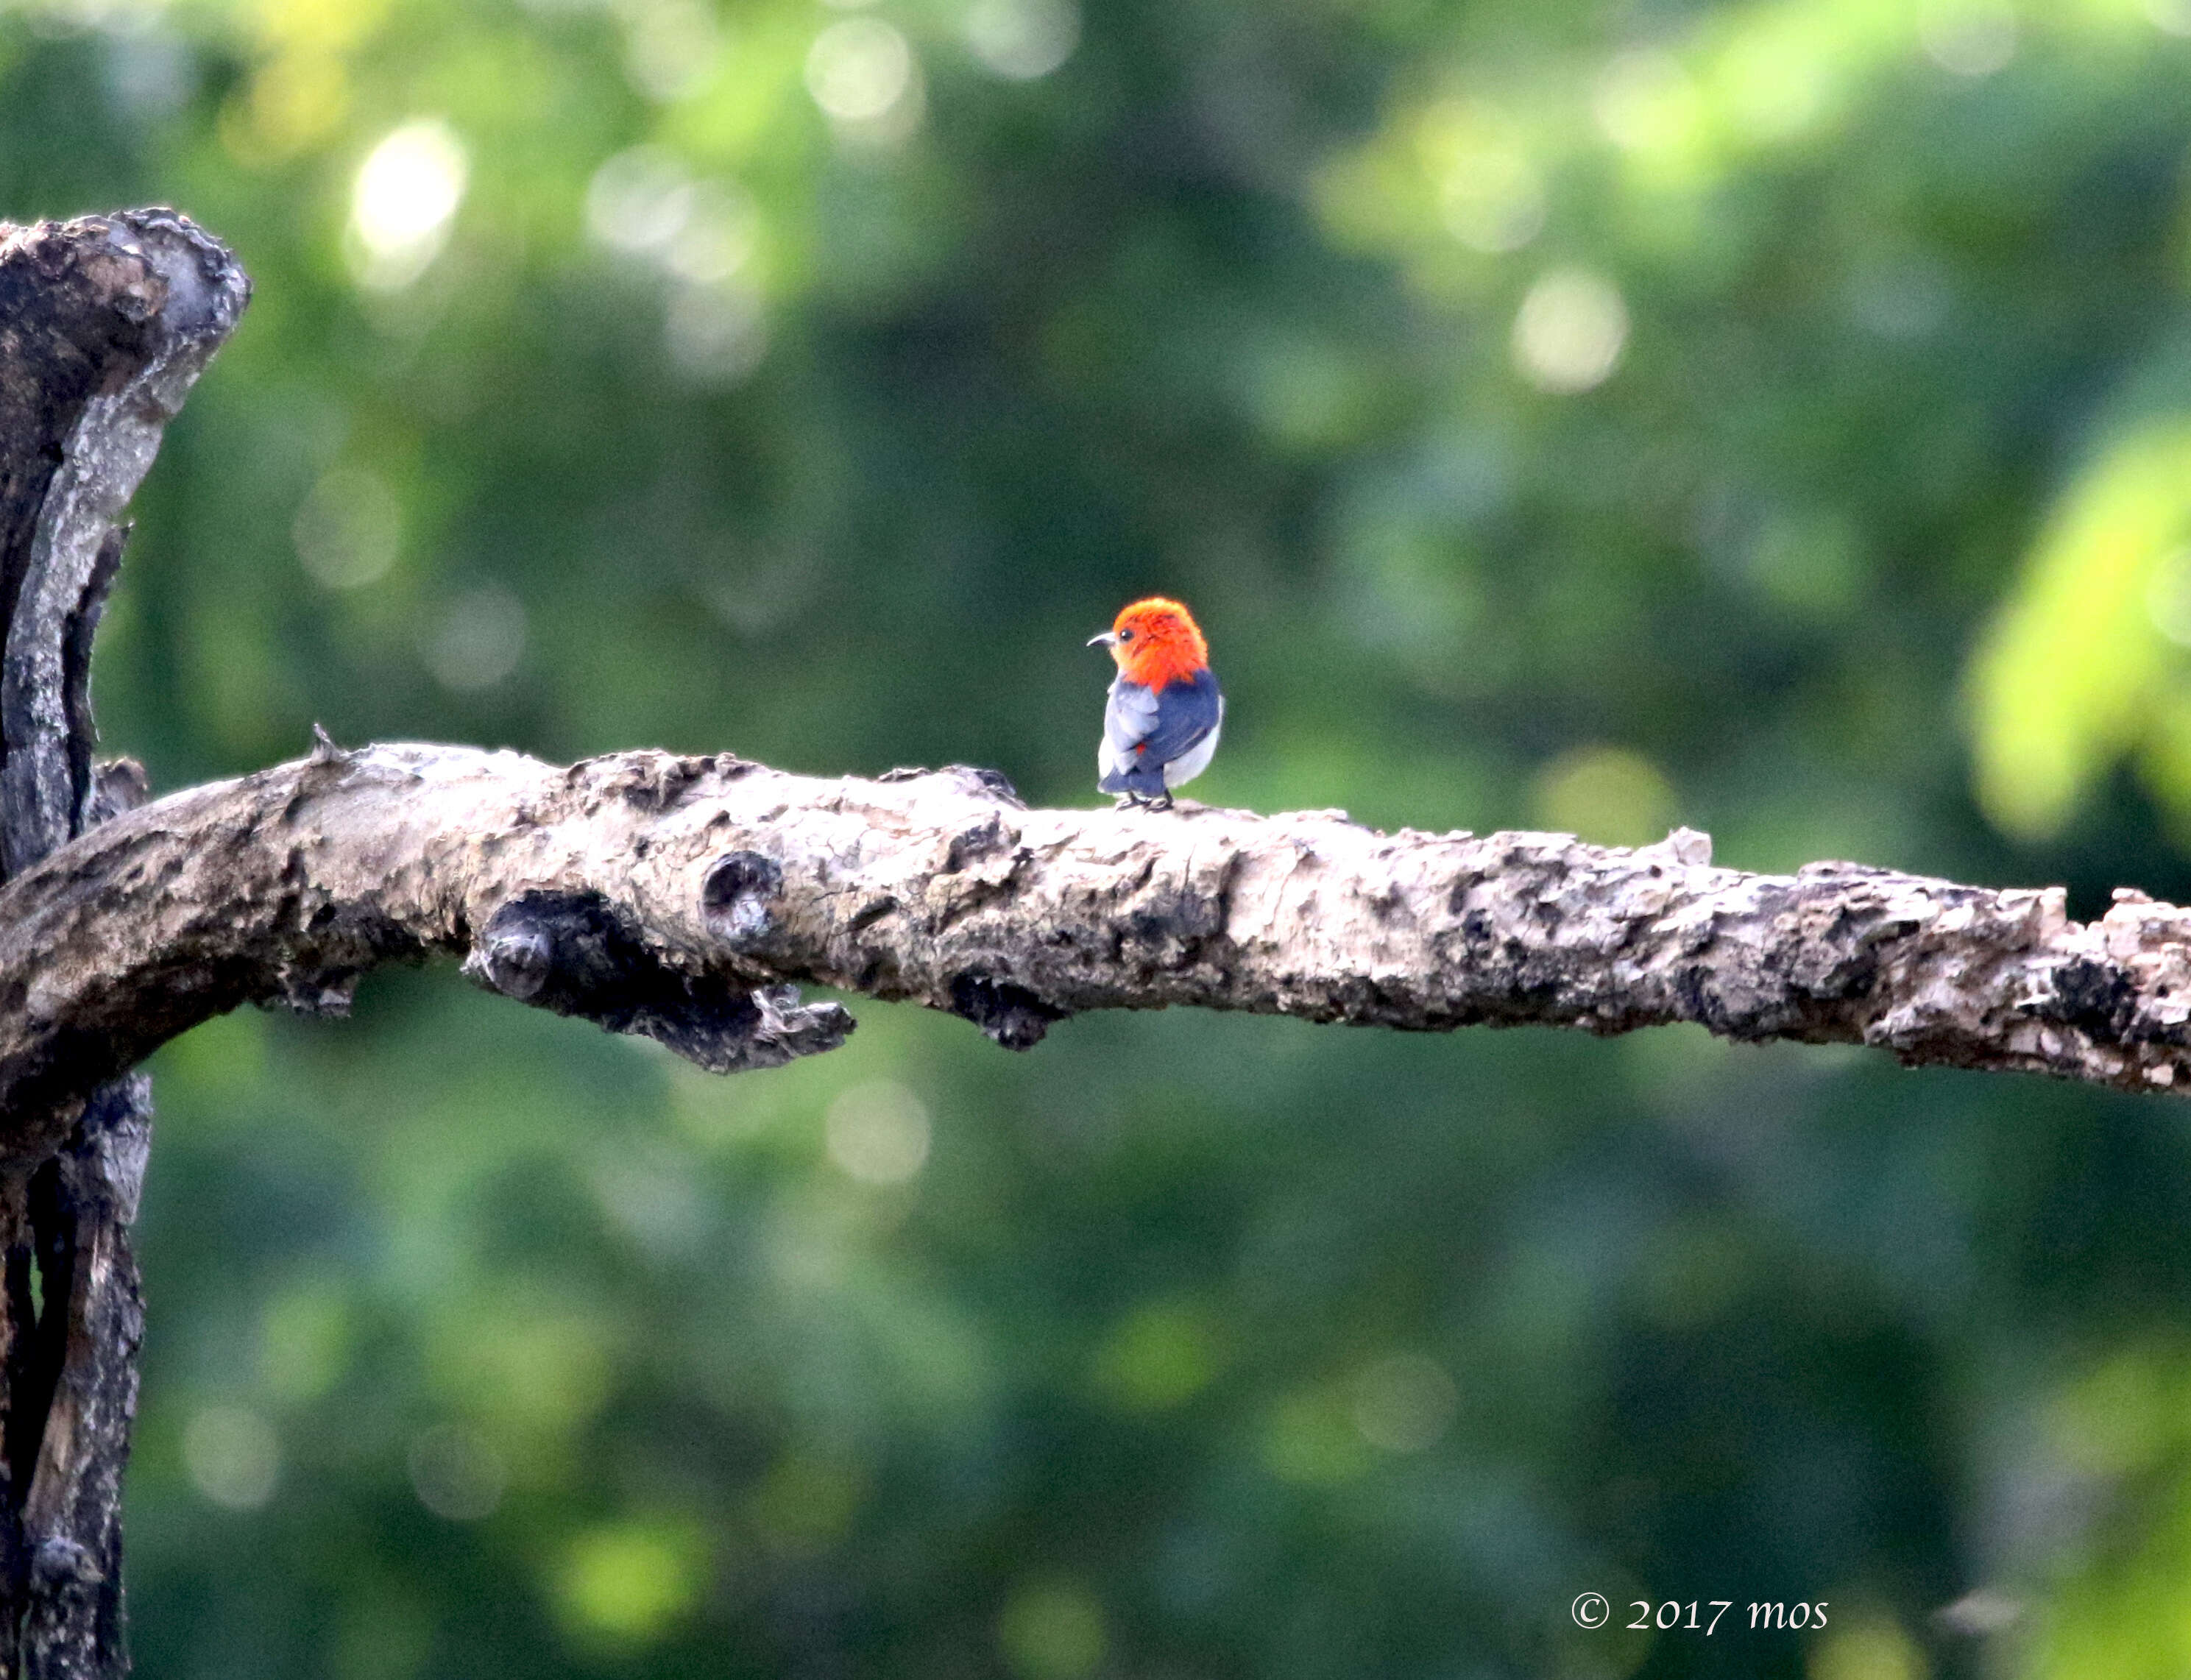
<point>105,324</point>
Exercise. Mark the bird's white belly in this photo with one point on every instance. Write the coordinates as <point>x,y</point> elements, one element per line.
<point>1184,769</point>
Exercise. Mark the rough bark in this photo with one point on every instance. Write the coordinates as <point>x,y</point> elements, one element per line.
<point>105,324</point>
<point>675,897</point>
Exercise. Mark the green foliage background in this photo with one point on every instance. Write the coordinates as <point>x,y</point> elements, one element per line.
<point>1773,417</point>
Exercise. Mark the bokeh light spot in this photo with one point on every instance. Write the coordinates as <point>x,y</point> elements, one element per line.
<point>233,1457</point>
<point>1776,76</point>
<point>716,335</point>
<point>628,1583</point>
<point>878,1133</point>
<point>639,199</point>
<point>382,1630</point>
<point>1809,563</point>
<point>859,70</point>
<point>1645,102</point>
<point>304,1341</point>
<point>1311,1437</point>
<point>1403,1403</point>
<point>295,100</point>
<point>806,1502</point>
<point>1869,1648</point>
<point>1490,196</point>
<point>457,1473</point>
<point>1570,331</point>
<point>2168,597</point>
<point>1051,1631</point>
<point>534,1383</point>
<point>479,641</point>
<point>406,197</point>
<point>1904,300</point>
<point>349,529</point>
<point>2120,1417</point>
<point>2171,17</point>
<point>671,48</point>
<point>1158,1356</point>
<point>1310,395</point>
<point>1608,795</point>
<point>1022,40</point>
<point>151,73</point>
<point>717,238</point>
<point>1968,37</point>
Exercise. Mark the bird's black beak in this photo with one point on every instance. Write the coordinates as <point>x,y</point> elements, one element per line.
<point>1109,639</point>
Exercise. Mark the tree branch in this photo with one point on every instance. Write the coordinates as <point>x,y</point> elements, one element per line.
<point>106,322</point>
<point>685,899</point>
<point>104,325</point>
<point>675,897</point>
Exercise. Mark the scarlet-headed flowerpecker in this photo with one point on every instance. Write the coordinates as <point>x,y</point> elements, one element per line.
<point>1160,727</point>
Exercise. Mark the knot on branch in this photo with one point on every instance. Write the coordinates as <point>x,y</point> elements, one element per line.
<point>1010,1014</point>
<point>2096,997</point>
<point>117,785</point>
<point>2106,1001</point>
<point>58,1562</point>
<point>577,954</point>
<point>977,840</point>
<point>736,896</point>
<point>318,994</point>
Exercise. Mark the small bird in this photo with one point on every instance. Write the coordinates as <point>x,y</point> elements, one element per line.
<point>1160,727</point>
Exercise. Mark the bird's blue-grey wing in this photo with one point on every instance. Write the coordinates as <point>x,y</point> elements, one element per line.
<point>1129,716</point>
<point>1185,713</point>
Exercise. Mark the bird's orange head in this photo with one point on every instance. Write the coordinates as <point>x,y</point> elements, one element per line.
<point>1156,642</point>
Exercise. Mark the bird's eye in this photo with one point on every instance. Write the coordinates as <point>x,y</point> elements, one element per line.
<point>1126,635</point>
